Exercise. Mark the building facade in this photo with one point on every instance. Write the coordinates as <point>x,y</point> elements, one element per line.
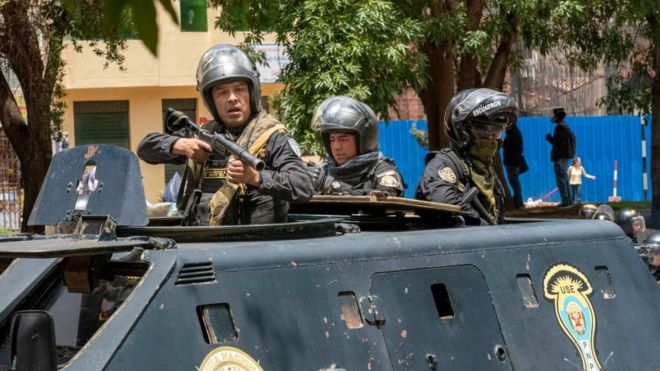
<point>113,106</point>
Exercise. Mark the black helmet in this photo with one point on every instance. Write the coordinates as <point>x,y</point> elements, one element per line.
<point>587,211</point>
<point>631,222</point>
<point>345,114</point>
<point>477,107</point>
<point>225,63</point>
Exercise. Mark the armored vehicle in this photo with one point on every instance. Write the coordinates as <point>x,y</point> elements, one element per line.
<point>348,284</point>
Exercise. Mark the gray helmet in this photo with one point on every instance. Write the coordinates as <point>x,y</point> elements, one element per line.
<point>604,212</point>
<point>344,114</point>
<point>225,63</point>
<point>587,211</point>
<point>652,241</point>
<point>477,106</point>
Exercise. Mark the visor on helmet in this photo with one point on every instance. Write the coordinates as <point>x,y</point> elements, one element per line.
<point>485,129</point>
<point>638,225</point>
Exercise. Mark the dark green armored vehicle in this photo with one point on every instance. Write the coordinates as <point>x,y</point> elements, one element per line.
<point>348,284</point>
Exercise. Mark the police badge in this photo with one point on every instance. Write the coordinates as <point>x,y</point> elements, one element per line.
<point>387,179</point>
<point>447,174</point>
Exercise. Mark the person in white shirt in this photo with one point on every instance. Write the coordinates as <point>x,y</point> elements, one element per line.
<point>575,172</point>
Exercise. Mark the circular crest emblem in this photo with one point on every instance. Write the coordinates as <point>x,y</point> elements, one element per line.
<point>447,174</point>
<point>389,181</point>
<point>229,359</point>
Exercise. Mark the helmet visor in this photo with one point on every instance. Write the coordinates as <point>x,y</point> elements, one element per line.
<point>485,129</point>
<point>638,225</point>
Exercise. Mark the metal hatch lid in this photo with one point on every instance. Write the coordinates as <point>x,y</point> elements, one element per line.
<point>248,232</point>
<point>373,204</point>
<point>118,190</point>
<point>64,247</point>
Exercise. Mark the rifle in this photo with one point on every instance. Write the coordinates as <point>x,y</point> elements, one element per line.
<point>470,197</point>
<point>177,120</point>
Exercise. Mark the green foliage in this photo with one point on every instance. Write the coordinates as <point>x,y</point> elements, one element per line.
<point>421,136</point>
<point>114,17</point>
<point>337,47</point>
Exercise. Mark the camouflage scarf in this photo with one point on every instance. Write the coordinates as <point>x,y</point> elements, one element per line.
<point>483,177</point>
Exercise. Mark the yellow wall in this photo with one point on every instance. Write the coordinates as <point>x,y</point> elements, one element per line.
<point>145,83</point>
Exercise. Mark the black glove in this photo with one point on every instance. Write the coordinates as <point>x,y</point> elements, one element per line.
<point>319,177</point>
<point>548,137</point>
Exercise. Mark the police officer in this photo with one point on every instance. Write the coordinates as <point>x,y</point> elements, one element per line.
<point>475,120</point>
<point>650,252</point>
<point>354,165</point>
<point>232,192</point>
<point>631,222</point>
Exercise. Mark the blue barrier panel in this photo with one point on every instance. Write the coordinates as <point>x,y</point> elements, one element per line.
<point>600,141</point>
<point>397,143</point>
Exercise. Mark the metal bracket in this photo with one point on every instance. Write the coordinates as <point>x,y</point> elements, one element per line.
<point>369,309</point>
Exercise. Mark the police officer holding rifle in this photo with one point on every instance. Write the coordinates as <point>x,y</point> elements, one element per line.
<point>225,184</point>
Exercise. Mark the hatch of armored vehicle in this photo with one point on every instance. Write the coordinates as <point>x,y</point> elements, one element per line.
<point>366,283</point>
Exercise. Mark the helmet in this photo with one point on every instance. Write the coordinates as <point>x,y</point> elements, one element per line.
<point>631,222</point>
<point>587,211</point>
<point>478,107</point>
<point>345,114</point>
<point>652,241</point>
<point>604,212</point>
<point>224,63</point>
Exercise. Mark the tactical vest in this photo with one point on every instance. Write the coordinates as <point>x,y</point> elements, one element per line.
<point>255,137</point>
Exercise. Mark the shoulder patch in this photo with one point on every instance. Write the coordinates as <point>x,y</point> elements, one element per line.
<point>389,181</point>
<point>447,174</point>
<point>295,147</point>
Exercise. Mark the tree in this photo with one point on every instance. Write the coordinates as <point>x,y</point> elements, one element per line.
<point>33,35</point>
<point>337,47</point>
<point>465,44</point>
<point>626,36</point>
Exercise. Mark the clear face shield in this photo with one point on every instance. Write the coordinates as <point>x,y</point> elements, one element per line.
<point>638,225</point>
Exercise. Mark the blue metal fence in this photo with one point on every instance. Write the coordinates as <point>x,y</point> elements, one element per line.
<point>600,141</point>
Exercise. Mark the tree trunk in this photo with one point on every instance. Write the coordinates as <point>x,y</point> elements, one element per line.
<point>438,92</point>
<point>498,66</point>
<point>468,74</point>
<point>30,141</point>
<point>654,220</point>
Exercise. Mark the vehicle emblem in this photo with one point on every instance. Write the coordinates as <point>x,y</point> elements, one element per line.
<point>229,358</point>
<point>447,174</point>
<point>569,289</point>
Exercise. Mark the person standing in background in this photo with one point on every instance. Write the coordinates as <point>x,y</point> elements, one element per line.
<point>563,150</point>
<point>512,151</point>
<point>575,172</point>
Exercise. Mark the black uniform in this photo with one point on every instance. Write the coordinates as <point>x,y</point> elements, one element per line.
<point>563,142</point>
<point>447,178</point>
<point>284,178</point>
<point>379,174</point>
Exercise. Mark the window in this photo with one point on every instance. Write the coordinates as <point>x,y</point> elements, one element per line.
<point>193,16</point>
<point>101,122</point>
<point>77,316</point>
